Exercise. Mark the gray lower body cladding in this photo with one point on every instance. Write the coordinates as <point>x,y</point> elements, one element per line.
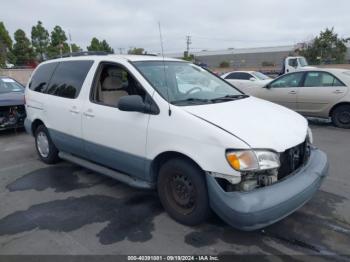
<point>265,206</point>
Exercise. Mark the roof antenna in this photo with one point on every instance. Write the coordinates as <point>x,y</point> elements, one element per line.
<point>165,77</point>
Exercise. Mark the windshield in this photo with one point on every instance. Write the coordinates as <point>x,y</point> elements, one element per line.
<point>260,76</point>
<point>302,61</point>
<point>183,83</point>
<point>8,85</point>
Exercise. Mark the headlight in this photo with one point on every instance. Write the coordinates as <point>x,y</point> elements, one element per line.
<point>310,135</point>
<point>249,160</point>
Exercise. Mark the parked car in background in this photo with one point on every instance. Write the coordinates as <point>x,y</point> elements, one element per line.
<point>164,123</point>
<point>244,80</point>
<point>318,93</point>
<point>12,110</point>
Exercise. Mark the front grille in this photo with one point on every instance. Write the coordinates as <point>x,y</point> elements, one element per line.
<point>293,158</point>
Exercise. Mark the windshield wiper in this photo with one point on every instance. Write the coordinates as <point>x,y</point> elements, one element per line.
<point>191,100</point>
<point>229,98</point>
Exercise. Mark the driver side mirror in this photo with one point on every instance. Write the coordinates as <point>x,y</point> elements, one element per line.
<point>268,86</point>
<point>135,103</point>
<point>252,79</point>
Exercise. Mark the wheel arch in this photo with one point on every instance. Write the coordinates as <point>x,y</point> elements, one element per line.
<point>35,124</point>
<point>165,156</point>
<point>336,106</point>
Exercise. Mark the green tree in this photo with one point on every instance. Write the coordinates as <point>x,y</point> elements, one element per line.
<point>94,45</point>
<point>97,45</point>
<point>22,49</point>
<point>58,44</point>
<point>106,47</point>
<point>40,40</point>
<point>76,48</point>
<point>188,57</point>
<point>224,64</point>
<point>5,45</point>
<point>327,47</point>
<point>136,51</point>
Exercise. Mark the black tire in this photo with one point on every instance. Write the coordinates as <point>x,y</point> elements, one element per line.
<point>183,191</point>
<point>341,116</point>
<point>52,155</point>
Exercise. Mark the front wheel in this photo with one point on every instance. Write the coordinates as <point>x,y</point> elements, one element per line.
<point>183,191</point>
<point>341,116</point>
<point>47,151</point>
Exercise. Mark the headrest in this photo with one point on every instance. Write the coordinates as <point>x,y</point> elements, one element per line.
<point>115,72</point>
<point>112,83</point>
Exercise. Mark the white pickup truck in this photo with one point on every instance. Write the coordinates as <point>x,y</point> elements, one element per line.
<point>294,63</point>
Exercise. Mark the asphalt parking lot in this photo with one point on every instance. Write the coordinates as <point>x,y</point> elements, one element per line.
<point>65,209</point>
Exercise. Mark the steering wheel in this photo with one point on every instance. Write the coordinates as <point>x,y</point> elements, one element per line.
<point>194,88</point>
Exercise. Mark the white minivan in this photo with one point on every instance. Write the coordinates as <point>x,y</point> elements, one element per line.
<point>167,124</point>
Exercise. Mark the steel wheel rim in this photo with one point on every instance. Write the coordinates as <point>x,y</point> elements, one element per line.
<point>42,143</point>
<point>181,193</point>
<point>344,117</point>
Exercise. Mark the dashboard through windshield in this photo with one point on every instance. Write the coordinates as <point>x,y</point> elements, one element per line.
<point>183,83</point>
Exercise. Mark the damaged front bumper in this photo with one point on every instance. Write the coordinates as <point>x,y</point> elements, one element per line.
<point>264,206</point>
<point>12,117</point>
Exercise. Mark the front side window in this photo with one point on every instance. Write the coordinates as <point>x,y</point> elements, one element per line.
<point>319,79</point>
<point>114,82</point>
<point>302,61</point>
<point>183,83</point>
<point>8,85</point>
<point>68,78</point>
<point>290,80</point>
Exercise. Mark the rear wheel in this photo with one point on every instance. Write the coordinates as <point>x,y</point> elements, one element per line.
<point>47,151</point>
<point>183,192</point>
<point>341,116</point>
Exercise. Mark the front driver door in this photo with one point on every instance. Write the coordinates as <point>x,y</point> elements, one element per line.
<point>283,90</point>
<point>114,138</point>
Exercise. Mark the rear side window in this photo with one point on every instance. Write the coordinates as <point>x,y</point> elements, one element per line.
<point>68,78</point>
<point>239,76</point>
<point>320,79</point>
<point>232,76</point>
<point>41,77</point>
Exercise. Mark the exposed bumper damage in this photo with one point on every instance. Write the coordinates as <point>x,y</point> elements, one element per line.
<point>264,206</point>
<point>12,116</point>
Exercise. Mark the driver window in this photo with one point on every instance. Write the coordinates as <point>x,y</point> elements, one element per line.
<point>291,80</point>
<point>114,82</point>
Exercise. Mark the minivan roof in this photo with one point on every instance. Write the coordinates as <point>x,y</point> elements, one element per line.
<point>132,58</point>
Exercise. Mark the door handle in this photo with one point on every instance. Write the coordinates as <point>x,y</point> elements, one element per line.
<point>89,113</point>
<point>74,110</point>
<point>338,92</point>
<point>292,92</point>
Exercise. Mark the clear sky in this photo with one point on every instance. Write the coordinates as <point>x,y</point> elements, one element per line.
<point>213,24</point>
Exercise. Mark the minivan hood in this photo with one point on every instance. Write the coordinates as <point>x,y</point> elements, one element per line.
<point>259,123</point>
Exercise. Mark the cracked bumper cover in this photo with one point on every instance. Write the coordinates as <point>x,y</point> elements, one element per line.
<point>264,206</point>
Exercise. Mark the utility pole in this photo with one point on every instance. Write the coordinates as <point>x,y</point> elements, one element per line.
<point>188,42</point>
<point>121,50</point>
<point>70,42</point>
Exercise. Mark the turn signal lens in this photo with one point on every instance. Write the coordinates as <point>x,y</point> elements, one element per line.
<point>242,160</point>
<point>248,160</point>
